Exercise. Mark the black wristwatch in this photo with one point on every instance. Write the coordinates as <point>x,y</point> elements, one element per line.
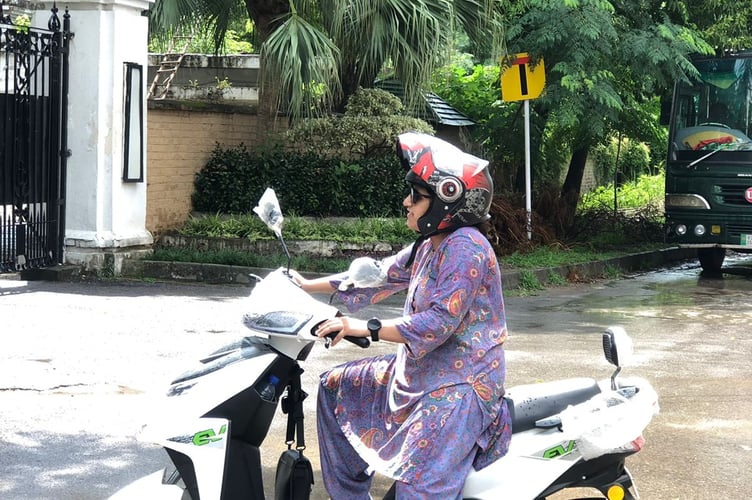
<point>374,325</point>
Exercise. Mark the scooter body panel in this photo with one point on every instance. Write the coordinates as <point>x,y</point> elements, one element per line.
<point>542,451</point>
<point>197,396</point>
<point>204,441</point>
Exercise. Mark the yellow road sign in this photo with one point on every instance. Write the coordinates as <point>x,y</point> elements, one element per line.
<point>520,80</point>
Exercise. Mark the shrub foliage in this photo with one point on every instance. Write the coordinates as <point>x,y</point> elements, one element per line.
<point>335,166</point>
<point>306,183</point>
<point>369,127</point>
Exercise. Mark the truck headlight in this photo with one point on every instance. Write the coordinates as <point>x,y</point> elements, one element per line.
<point>686,201</point>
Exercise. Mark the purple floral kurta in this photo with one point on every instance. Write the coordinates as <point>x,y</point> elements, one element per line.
<point>405,414</point>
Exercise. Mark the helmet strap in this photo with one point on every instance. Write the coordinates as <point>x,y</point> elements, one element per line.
<point>416,245</point>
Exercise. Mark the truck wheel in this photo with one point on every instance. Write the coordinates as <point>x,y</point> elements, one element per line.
<point>711,259</point>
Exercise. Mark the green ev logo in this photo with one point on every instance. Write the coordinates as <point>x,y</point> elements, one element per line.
<point>208,436</point>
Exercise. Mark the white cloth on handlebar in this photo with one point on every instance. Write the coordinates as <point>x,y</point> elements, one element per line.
<point>366,272</point>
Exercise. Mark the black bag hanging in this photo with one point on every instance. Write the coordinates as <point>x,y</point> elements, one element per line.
<point>294,478</point>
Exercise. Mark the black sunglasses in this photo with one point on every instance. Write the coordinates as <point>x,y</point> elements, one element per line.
<point>416,196</point>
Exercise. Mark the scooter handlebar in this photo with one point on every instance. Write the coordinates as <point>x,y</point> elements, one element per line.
<point>362,342</point>
<point>359,341</point>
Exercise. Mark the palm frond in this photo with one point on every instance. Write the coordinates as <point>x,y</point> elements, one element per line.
<point>302,63</point>
<point>168,17</point>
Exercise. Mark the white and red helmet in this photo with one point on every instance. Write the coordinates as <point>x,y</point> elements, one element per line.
<point>459,183</point>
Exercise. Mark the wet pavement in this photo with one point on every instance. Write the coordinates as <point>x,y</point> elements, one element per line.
<point>80,363</point>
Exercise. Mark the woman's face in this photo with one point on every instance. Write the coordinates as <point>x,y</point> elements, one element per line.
<point>417,202</point>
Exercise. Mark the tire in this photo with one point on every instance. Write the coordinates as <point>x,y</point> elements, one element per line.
<point>711,259</point>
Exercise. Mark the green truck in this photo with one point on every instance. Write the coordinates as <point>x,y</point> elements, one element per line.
<point>709,164</point>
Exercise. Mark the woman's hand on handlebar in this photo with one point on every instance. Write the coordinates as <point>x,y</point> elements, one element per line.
<point>342,326</point>
<point>311,285</point>
<point>297,278</point>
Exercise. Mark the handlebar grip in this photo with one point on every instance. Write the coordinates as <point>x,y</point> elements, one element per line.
<point>362,342</point>
<point>359,341</point>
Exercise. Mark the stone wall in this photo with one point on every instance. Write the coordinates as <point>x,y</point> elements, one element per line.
<point>181,137</point>
<point>199,76</point>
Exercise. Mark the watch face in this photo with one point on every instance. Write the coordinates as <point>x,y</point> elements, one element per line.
<point>373,324</point>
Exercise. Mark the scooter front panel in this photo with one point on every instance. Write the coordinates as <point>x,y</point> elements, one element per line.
<point>199,395</point>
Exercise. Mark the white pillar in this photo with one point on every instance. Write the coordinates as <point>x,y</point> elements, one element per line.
<point>105,216</point>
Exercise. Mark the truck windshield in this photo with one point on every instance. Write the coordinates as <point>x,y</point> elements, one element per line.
<point>714,111</point>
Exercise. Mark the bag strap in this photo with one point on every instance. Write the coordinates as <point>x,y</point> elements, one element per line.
<point>292,404</point>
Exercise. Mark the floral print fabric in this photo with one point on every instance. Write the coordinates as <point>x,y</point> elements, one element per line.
<point>404,413</point>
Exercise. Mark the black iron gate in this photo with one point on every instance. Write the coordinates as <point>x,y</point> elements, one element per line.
<point>33,148</point>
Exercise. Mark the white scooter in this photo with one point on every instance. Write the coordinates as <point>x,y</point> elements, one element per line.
<point>571,433</point>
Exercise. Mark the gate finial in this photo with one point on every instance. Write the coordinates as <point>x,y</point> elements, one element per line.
<point>54,23</point>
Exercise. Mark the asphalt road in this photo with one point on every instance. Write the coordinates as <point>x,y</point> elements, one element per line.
<point>81,362</point>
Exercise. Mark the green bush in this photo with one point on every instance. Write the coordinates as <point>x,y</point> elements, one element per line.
<point>306,183</point>
<point>647,190</point>
<point>372,121</point>
<point>335,166</point>
<point>633,160</point>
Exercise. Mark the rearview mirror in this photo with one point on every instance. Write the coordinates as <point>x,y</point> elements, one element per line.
<point>617,346</point>
<point>269,211</point>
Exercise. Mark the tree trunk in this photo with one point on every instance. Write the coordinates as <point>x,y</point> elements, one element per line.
<point>570,191</point>
<point>351,81</point>
<point>265,15</point>
<point>350,84</point>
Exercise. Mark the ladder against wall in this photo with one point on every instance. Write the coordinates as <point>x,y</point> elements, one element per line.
<point>168,66</point>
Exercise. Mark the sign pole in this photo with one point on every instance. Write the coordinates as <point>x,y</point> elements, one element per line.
<point>522,82</point>
<point>528,182</point>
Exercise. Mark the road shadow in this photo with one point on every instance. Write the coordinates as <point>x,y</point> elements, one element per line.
<point>80,466</point>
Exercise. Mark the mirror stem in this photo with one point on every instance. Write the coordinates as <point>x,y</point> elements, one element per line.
<point>613,378</point>
<point>284,247</point>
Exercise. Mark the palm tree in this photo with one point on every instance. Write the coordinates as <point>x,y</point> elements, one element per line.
<point>315,54</point>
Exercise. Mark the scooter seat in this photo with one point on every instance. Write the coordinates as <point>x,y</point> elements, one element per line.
<point>532,402</point>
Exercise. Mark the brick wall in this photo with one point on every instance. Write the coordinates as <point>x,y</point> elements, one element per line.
<point>180,142</point>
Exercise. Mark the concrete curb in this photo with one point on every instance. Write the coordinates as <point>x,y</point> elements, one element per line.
<point>512,278</point>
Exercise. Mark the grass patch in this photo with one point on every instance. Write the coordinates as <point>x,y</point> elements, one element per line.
<point>612,272</point>
<point>246,259</point>
<point>602,235</point>
<point>364,230</point>
<point>557,279</point>
<point>529,282</point>
<point>553,257</point>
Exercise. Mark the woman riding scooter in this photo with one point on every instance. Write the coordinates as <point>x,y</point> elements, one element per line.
<point>427,414</point>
